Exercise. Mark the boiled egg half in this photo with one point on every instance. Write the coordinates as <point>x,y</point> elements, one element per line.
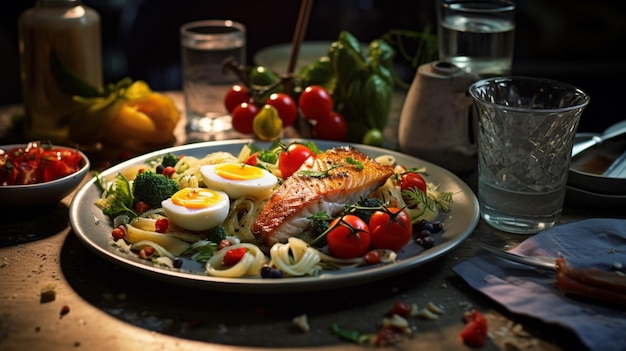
<point>197,209</point>
<point>239,180</point>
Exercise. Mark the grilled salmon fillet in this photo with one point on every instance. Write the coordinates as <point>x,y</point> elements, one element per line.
<point>324,183</point>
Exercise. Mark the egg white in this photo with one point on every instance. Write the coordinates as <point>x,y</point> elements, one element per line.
<point>256,188</point>
<point>198,219</point>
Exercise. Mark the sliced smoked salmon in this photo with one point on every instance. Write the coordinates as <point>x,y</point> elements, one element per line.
<point>324,183</point>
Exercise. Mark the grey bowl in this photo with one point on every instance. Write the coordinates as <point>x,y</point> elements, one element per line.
<point>587,167</point>
<point>42,194</point>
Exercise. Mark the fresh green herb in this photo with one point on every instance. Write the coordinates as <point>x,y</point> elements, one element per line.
<point>320,223</point>
<point>201,251</point>
<point>350,335</point>
<point>319,174</point>
<point>355,163</point>
<point>120,198</point>
<point>440,198</point>
<point>69,82</point>
<point>313,147</point>
<point>416,48</point>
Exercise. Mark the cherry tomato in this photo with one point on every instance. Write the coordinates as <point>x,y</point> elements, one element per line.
<point>253,159</point>
<point>8,173</point>
<point>286,107</point>
<point>235,96</point>
<point>315,103</point>
<point>290,160</point>
<point>373,256</point>
<point>233,256</point>
<point>390,228</point>
<point>243,115</point>
<point>53,168</point>
<point>335,128</point>
<point>349,237</point>
<point>474,334</point>
<point>410,180</point>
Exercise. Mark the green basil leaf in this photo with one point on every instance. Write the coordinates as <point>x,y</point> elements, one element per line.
<point>69,82</point>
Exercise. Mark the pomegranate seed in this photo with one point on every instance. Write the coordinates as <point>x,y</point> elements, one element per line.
<point>146,252</point>
<point>401,308</point>
<point>161,225</point>
<point>169,171</point>
<point>141,207</point>
<point>118,233</point>
<point>224,243</point>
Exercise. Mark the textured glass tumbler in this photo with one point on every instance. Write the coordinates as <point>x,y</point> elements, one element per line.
<point>526,128</point>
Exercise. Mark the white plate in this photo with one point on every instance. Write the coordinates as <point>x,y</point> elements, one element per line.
<point>94,229</point>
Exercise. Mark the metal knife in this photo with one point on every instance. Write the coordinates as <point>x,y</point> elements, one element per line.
<point>534,261</point>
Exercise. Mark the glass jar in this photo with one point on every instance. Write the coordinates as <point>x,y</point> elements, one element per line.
<point>59,41</point>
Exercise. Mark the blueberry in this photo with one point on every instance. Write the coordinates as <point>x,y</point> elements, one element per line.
<point>426,242</point>
<point>437,226</point>
<point>178,262</point>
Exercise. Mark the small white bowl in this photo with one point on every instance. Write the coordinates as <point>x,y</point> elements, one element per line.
<point>42,194</point>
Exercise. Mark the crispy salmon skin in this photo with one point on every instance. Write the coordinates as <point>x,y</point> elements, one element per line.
<point>324,183</point>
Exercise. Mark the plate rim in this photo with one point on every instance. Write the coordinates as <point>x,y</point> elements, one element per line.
<point>259,285</point>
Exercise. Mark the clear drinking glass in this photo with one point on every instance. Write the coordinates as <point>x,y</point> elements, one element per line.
<point>526,129</point>
<point>205,45</point>
<point>477,35</point>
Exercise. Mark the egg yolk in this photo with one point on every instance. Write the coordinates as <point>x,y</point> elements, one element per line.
<point>238,171</point>
<point>196,198</point>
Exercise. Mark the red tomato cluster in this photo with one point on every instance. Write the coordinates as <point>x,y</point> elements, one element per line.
<point>350,236</point>
<point>238,102</point>
<point>317,106</point>
<point>314,103</point>
<point>36,164</point>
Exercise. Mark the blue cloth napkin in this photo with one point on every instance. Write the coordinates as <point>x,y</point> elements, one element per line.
<point>526,291</point>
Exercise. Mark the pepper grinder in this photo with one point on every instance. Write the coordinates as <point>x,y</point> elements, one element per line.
<point>436,123</point>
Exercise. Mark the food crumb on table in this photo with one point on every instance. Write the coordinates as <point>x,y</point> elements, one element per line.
<point>48,294</point>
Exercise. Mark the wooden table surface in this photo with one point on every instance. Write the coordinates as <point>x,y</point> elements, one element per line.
<point>99,306</point>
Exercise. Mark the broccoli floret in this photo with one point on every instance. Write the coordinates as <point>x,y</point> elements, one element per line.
<point>366,207</point>
<point>169,160</point>
<point>217,234</point>
<point>152,188</point>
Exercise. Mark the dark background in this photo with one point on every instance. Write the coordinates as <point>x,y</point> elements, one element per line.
<point>578,41</point>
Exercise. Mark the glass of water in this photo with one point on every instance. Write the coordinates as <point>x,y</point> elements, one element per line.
<point>205,45</point>
<point>477,35</point>
<point>526,129</point>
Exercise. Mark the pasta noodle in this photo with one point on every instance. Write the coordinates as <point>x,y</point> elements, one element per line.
<point>296,258</point>
<point>241,216</point>
<point>250,264</point>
